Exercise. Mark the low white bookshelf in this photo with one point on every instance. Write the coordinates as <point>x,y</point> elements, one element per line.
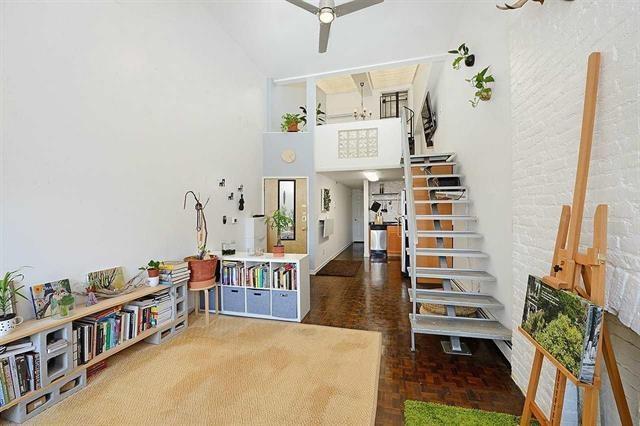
<point>274,298</point>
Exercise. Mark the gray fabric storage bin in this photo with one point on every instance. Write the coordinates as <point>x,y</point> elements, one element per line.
<point>285,304</point>
<point>258,301</point>
<point>233,299</point>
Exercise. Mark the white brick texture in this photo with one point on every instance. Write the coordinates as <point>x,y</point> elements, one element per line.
<point>549,45</point>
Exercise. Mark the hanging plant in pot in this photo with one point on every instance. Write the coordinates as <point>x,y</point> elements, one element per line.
<point>8,292</point>
<point>203,265</point>
<point>479,82</point>
<point>280,222</point>
<point>462,53</point>
<point>153,271</point>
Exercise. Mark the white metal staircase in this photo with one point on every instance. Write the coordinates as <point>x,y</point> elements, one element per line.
<point>452,294</point>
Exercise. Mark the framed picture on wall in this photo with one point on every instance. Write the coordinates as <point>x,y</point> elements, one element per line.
<point>325,200</point>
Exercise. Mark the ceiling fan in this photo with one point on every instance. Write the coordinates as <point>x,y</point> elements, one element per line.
<point>327,12</point>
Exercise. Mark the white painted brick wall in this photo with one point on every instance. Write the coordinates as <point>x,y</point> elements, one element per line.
<point>549,46</point>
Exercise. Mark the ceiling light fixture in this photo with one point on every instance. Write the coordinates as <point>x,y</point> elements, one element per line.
<point>371,176</point>
<point>361,114</point>
<point>326,15</point>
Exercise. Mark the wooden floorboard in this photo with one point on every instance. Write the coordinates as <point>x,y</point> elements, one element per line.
<point>376,299</point>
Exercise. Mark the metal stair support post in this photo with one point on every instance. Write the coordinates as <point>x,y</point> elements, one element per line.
<point>410,216</point>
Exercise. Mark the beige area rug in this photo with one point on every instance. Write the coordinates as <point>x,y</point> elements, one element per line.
<point>236,371</point>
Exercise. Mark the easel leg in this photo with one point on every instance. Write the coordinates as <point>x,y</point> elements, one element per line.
<point>534,379</point>
<point>614,378</point>
<point>590,409</point>
<point>558,398</point>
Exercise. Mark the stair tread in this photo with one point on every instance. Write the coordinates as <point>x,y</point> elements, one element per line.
<point>460,201</point>
<point>439,188</point>
<point>448,234</point>
<point>445,217</point>
<point>448,175</point>
<point>479,328</point>
<point>456,298</point>
<point>454,273</point>
<point>433,154</point>
<point>453,252</point>
<point>440,163</point>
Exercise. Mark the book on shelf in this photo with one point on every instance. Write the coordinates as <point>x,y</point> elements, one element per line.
<point>285,277</point>
<point>170,265</point>
<point>258,276</point>
<point>19,373</point>
<point>232,273</point>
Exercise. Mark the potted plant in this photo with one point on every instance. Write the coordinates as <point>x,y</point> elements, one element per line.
<point>153,271</point>
<point>290,122</point>
<point>8,292</point>
<point>463,54</point>
<point>202,266</point>
<point>62,302</point>
<point>480,81</point>
<point>279,221</point>
<point>320,116</point>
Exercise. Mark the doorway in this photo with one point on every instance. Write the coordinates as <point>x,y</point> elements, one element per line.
<point>289,195</point>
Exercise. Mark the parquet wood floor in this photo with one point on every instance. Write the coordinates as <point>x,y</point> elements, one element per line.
<point>376,299</point>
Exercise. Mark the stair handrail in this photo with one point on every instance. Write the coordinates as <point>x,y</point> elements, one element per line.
<point>410,205</point>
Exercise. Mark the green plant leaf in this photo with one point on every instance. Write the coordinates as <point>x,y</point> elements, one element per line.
<point>454,52</point>
<point>479,85</point>
<point>461,47</point>
<point>489,79</point>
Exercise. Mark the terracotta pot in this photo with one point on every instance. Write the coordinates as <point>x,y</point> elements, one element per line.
<point>278,251</point>
<point>153,272</point>
<point>485,96</point>
<point>202,271</point>
<point>293,127</point>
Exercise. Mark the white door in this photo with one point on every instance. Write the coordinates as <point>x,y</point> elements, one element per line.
<point>357,205</point>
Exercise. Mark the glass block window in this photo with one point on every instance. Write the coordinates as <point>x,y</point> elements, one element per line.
<point>358,143</point>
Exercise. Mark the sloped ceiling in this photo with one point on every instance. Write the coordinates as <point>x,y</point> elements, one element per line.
<point>283,39</point>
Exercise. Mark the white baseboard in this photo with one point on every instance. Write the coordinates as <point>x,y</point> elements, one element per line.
<point>329,259</point>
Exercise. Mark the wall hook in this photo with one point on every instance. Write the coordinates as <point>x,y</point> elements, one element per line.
<point>230,197</point>
<point>222,183</point>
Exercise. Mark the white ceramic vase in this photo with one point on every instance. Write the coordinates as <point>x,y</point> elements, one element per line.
<point>7,326</point>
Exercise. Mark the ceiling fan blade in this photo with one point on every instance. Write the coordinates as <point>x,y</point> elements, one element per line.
<point>304,5</point>
<point>324,37</point>
<point>354,6</point>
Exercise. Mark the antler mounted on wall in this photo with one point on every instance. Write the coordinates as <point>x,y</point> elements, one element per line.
<point>515,5</point>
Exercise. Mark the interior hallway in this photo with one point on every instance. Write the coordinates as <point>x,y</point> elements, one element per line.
<point>377,299</point>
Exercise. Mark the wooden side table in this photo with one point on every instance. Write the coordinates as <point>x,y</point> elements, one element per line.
<point>205,290</point>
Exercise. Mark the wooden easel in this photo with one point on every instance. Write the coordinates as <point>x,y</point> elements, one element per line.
<point>568,266</point>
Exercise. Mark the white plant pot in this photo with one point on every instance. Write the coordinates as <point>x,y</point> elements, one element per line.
<point>7,326</point>
<point>153,282</point>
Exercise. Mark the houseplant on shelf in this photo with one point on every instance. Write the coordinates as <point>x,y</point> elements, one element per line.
<point>202,266</point>
<point>320,116</point>
<point>279,221</point>
<point>290,122</point>
<point>8,292</point>
<point>480,81</point>
<point>153,271</point>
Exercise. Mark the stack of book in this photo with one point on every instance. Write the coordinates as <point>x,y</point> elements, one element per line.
<point>285,277</point>
<point>174,272</point>
<point>82,342</point>
<point>143,310</point>
<point>20,372</point>
<point>105,329</point>
<point>163,310</point>
<point>232,273</point>
<point>258,276</point>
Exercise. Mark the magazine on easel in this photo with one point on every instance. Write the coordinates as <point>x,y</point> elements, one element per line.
<point>565,324</point>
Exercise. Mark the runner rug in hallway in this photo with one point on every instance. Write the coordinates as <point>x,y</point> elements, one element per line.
<point>235,371</point>
<point>341,268</point>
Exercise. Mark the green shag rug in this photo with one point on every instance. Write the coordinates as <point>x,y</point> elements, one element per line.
<point>418,413</point>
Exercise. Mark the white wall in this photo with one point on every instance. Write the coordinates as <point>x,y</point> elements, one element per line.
<point>389,148</point>
<point>285,98</point>
<point>340,212</point>
<point>390,199</point>
<point>111,111</point>
<point>548,51</point>
<point>357,205</point>
<point>481,138</point>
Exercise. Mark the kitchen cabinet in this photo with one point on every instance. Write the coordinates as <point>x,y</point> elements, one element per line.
<point>394,240</point>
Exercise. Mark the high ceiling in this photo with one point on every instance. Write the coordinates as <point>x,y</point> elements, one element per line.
<point>376,79</point>
<point>282,39</point>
